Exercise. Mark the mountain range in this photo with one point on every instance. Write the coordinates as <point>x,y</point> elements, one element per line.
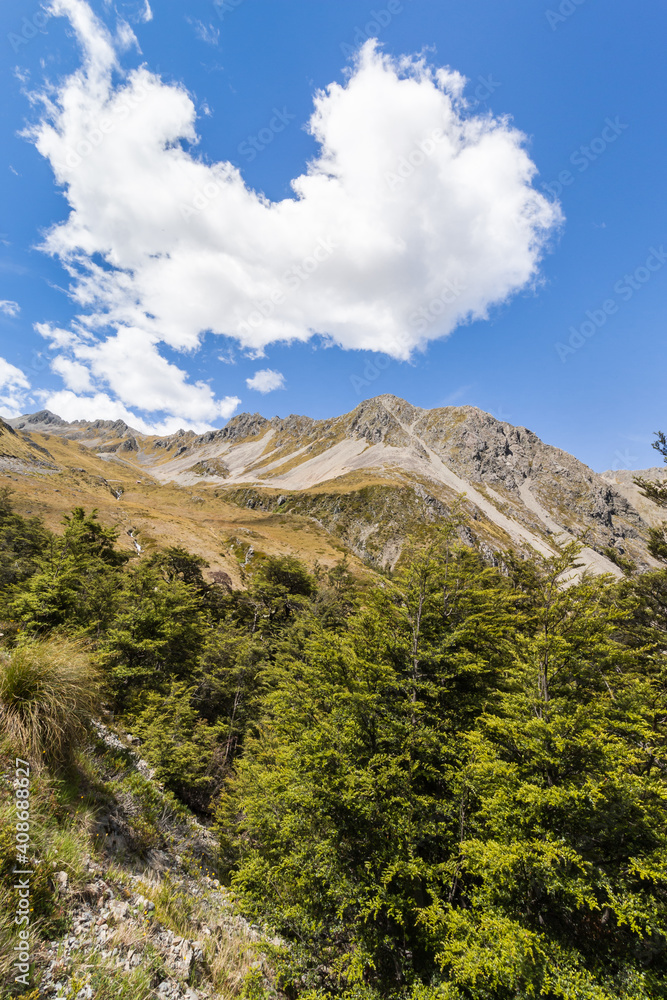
<point>356,485</point>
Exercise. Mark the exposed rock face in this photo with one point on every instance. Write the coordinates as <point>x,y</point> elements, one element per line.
<point>244,426</point>
<point>129,444</point>
<point>519,491</point>
<point>43,418</point>
<point>6,428</point>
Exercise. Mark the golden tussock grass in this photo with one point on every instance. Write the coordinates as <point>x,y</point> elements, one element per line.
<point>48,693</point>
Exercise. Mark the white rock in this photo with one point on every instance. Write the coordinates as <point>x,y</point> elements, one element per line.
<point>119,909</point>
<point>62,879</point>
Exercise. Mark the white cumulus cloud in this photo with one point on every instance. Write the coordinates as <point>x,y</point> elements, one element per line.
<point>13,387</point>
<point>416,216</point>
<point>266,380</point>
<point>75,376</point>
<point>9,308</point>
<point>131,367</point>
<point>101,406</point>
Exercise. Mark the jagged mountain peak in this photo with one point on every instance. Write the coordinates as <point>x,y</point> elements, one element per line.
<point>243,425</point>
<point>521,491</point>
<point>31,420</point>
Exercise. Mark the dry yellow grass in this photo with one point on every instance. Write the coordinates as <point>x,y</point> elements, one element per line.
<point>159,514</point>
<point>48,693</point>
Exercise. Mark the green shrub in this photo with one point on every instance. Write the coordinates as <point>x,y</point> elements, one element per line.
<point>184,750</point>
<point>48,693</point>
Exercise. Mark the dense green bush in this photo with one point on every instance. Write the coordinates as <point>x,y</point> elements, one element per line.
<point>185,751</point>
<point>75,585</point>
<point>22,542</point>
<point>464,793</point>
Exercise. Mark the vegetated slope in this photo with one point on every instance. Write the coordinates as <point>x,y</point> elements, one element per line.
<point>61,473</point>
<point>451,783</point>
<point>127,900</point>
<point>360,482</point>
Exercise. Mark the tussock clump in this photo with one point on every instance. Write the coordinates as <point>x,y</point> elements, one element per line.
<point>48,693</point>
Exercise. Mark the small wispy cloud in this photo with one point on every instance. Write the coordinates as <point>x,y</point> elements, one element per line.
<point>126,38</point>
<point>9,308</point>
<point>266,380</point>
<point>205,32</point>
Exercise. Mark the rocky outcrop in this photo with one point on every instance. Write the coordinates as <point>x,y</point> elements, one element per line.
<point>43,418</point>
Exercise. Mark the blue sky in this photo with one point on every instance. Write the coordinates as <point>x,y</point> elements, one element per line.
<point>568,289</point>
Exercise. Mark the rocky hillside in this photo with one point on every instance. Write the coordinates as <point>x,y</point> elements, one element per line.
<point>356,484</point>
<point>623,481</point>
<point>139,911</point>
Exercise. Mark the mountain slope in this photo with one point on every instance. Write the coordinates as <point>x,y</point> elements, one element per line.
<point>361,482</point>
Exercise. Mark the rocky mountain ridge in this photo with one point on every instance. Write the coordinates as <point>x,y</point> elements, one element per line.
<point>368,477</point>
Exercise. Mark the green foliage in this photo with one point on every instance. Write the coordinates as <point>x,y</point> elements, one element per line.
<point>655,491</point>
<point>464,794</point>
<point>77,584</point>
<point>627,565</point>
<point>279,590</point>
<point>177,564</point>
<point>157,633</point>
<point>645,625</point>
<point>48,693</point>
<point>561,862</point>
<point>345,802</point>
<point>254,986</point>
<point>447,786</point>
<point>657,542</point>
<point>184,750</point>
<point>43,900</point>
<point>58,841</point>
<point>23,542</point>
<point>228,683</point>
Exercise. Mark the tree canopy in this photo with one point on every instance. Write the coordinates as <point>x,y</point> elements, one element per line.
<point>450,783</point>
